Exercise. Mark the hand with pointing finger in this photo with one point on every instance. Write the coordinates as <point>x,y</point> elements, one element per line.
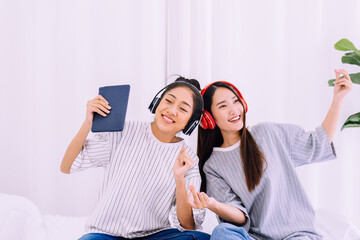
<point>201,200</point>
<point>182,164</point>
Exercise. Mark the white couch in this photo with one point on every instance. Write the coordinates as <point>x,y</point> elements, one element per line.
<point>20,219</point>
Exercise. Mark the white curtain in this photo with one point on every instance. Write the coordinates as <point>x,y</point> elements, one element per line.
<point>55,54</point>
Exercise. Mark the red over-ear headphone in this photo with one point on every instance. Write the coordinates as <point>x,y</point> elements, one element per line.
<point>207,121</point>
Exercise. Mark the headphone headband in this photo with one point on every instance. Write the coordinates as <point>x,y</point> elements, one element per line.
<point>231,85</point>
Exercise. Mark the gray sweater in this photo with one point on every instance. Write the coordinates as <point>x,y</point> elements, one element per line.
<point>278,208</point>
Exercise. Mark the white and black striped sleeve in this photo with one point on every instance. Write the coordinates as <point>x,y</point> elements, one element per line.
<point>96,151</point>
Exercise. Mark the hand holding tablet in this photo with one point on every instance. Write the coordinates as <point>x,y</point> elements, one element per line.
<point>117,96</point>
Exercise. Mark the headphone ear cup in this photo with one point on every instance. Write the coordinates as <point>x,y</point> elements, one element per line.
<point>190,127</point>
<point>154,104</point>
<point>245,104</point>
<point>203,123</point>
<point>207,121</point>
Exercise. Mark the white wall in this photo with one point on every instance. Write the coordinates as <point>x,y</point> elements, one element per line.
<point>55,54</point>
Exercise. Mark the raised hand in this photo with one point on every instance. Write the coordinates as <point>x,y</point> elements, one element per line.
<point>342,85</point>
<point>98,105</point>
<point>182,164</point>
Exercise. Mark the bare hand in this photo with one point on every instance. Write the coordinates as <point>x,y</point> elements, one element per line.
<point>201,200</point>
<point>98,105</point>
<point>342,85</point>
<point>182,164</point>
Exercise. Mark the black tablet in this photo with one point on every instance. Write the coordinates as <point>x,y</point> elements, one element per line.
<point>118,97</point>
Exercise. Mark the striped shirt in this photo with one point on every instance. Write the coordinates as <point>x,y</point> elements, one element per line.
<point>278,208</point>
<point>138,189</point>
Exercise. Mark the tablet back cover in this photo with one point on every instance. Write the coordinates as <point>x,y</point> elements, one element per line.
<point>118,97</point>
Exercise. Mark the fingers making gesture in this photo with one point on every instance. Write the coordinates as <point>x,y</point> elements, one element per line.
<point>98,105</point>
<point>201,200</point>
<point>182,164</point>
<point>342,85</point>
<point>225,211</point>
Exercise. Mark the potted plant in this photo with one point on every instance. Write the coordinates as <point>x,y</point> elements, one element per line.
<point>352,56</point>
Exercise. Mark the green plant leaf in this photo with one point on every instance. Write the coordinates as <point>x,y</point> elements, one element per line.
<point>351,58</point>
<point>345,45</point>
<point>355,78</point>
<point>352,121</point>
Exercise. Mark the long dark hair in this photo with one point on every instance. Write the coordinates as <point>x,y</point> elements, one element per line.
<point>253,160</point>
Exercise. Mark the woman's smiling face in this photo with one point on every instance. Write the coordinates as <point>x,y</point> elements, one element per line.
<point>174,110</point>
<point>227,110</point>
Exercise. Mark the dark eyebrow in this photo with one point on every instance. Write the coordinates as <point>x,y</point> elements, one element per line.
<point>171,95</point>
<point>182,101</point>
<point>220,102</point>
<point>225,100</point>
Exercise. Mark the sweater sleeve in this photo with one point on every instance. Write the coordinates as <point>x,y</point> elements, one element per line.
<point>217,188</point>
<point>310,147</point>
<point>97,150</point>
<point>293,142</point>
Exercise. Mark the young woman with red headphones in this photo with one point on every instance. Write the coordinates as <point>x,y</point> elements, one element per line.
<point>147,168</point>
<point>248,175</point>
